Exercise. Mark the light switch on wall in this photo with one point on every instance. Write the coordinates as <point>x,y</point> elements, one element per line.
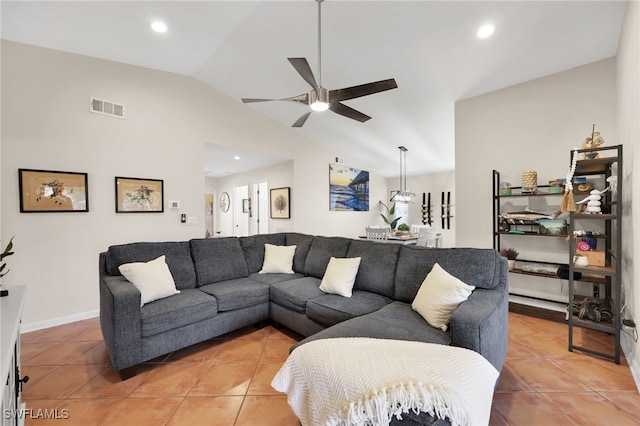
<point>192,221</point>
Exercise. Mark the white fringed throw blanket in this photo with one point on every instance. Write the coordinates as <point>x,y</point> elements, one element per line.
<point>363,381</point>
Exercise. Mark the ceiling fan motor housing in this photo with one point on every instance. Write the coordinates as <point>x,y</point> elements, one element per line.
<point>319,95</point>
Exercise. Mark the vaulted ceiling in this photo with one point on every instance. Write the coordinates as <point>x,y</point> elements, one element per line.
<point>430,47</point>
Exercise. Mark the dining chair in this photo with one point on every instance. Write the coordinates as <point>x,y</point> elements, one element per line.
<point>428,237</point>
<point>376,233</point>
<point>415,228</point>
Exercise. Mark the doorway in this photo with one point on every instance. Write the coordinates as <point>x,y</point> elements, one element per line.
<point>209,217</point>
<point>241,211</point>
<point>260,208</point>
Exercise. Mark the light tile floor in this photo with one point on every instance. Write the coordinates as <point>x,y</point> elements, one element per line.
<point>226,381</point>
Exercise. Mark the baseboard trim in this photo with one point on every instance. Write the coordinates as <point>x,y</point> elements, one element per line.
<point>628,344</point>
<point>26,328</point>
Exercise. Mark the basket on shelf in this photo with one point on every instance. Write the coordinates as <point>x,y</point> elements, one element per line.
<point>530,182</point>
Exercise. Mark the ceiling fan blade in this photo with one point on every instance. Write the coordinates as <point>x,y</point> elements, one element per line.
<point>302,99</point>
<point>300,121</point>
<point>251,100</point>
<point>349,112</point>
<point>361,90</point>
<point>302,66</point>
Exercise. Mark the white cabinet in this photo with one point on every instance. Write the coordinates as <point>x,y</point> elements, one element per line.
<point>12,408</point>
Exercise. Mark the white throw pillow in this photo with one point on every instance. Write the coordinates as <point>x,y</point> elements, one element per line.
<point>340,276</point>
<point>439,295</point>
<point>278,259</point>
<point>153,279</point>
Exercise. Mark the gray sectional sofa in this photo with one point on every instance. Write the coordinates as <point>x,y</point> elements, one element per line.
<point>221,291</point>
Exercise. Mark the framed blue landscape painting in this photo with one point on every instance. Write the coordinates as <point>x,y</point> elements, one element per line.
<point>348,189</point>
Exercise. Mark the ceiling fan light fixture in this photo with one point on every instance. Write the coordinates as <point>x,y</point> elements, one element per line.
<point>319,99</point>
<point>319,106</point>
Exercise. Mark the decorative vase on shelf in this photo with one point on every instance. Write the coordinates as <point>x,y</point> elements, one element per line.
<point>590,239</point>
<point>580,260</point>
<point>512,264</point>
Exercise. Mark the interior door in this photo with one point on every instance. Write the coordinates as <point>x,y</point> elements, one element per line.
<point>260,208</point>
<point>240,205</point>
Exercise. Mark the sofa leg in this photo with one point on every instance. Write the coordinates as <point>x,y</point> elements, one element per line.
<point>128,372</point>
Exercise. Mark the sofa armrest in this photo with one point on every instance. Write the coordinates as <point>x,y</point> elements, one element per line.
<point>481,322</point>
<point>120,319</point>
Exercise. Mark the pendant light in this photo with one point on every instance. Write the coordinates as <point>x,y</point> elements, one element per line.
<point>402,195</point>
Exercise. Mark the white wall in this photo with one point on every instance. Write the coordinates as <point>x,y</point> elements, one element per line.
<point>628,91</point>
<point>435,183</point>
<point>278,176</point>
<point>47,125</point>
<point>530,126</point>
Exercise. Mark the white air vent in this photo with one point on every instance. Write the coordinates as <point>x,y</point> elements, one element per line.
<point>107,108</point>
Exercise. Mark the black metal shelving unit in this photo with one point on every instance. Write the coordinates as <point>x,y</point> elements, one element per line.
<point>595,279</point>
<point>498,234</point>
<point>608,275</point>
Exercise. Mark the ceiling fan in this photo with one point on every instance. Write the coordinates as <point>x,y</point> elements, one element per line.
<point>321,99</point>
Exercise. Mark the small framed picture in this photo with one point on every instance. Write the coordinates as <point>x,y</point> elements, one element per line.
<point>135,195</point>
<point>245,205</point>
<point>280,203</point>
<point>52,191</point>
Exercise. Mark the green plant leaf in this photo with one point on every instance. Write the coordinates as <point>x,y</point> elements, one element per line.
<point>7,250</point>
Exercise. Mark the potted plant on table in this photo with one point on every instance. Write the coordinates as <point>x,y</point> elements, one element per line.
<point>403,229</point>
<point>511,255</point>
<point>389,218</point>
<point>7,252</point>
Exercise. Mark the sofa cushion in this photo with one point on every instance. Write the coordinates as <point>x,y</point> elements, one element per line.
<point>278,259</point>
<point>253,247</point>
<point>218,259</point>
<point>394,321</point>
<point>340,276</point>
<point>238,293</point>
<point>377,267</point>
<point>153,279</point>
<point>303,244</point>
<point>477,267</point>
<point>271,279</point>
<point>330,309</point>
<point>187,307</point>
<point>322,249</point>
<point>294,294</point>
<point>438,296</point>
<point>178,258</point>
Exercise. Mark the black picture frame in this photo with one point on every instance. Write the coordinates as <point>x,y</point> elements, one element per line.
<point>138,195</point>
<point>51,191</point>
<point>280,203</point>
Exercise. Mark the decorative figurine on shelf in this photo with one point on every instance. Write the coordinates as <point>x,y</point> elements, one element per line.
<point>594,201</point>
<point>613,184</point>
<point>593,141</point>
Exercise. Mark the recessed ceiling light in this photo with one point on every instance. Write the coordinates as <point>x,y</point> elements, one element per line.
<point>159,26</point>
<point>486,30</point>
<point>236,158</point>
